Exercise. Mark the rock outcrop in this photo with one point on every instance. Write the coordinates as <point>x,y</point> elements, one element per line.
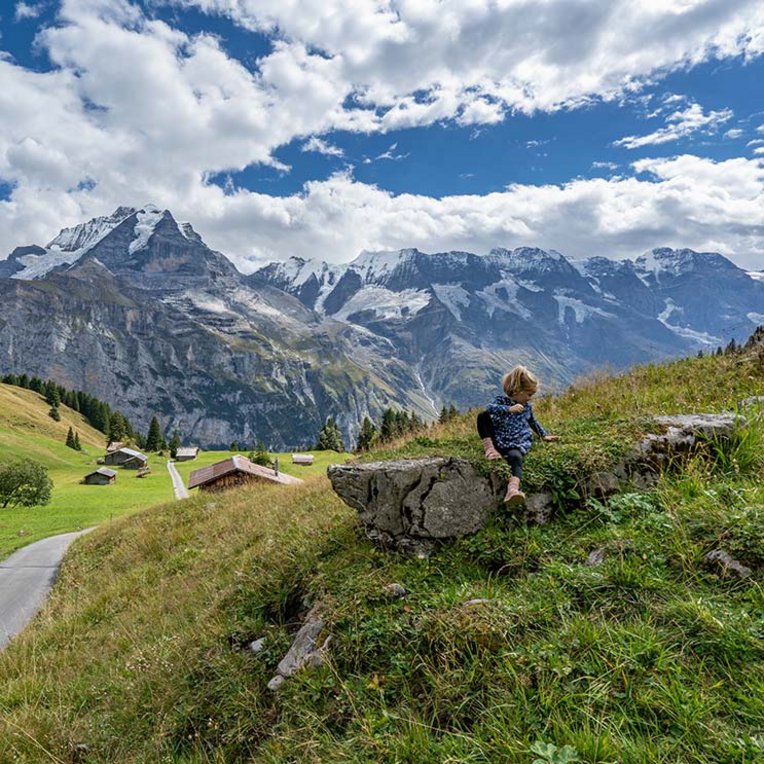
<point>414,505</point>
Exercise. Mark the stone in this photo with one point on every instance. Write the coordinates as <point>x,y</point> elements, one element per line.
<point>395,590</point>
<point>304,651</point>
<point>411,505</point>
<point>602,484</point>
<point>754,400</point>
<point>477,602</point>
<point>595,559</point>
<point>539,508</point>
<point>726,564</point>
<point>257,646</point>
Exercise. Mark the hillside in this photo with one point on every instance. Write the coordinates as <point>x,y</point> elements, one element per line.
<point>647,657</point>
<point>26,431</point>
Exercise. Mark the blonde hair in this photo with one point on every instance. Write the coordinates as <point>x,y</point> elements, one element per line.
<point>519,380</point>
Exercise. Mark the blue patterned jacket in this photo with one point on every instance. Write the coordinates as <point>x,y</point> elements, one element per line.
<point>513,430</point>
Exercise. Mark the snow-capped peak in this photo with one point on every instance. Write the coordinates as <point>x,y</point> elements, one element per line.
<point>147,220</point>
<point>84,235</point>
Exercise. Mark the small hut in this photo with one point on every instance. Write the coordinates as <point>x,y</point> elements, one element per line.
<point>186,454</point>
<point>234,472</point>
<point>126,457</point>
<point>305,459</point>
<point>101,476</point>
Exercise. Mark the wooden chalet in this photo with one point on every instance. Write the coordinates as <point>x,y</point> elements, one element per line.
<point>101,476</point>
<point>127,458</point>
<point>186,454</point>
<point>234,472</point>
<point>302,459</point>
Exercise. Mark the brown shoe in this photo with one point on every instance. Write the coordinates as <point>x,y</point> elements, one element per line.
<point>514,495</point>
<point>489,450</point>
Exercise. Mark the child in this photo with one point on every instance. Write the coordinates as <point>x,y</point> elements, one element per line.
<point>505,427</point>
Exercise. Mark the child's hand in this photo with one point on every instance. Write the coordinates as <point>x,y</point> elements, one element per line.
<point>550,438</point>
<point>516,408</point>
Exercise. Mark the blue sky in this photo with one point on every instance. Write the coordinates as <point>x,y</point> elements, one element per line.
<point>322,128</point>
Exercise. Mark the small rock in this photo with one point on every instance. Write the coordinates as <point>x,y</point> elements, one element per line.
<point>726,563</point>
<point>304,650</point>
<point>752,401</point>
<point>395,590</point>
<point>539,508</point>
<point>475,602</point>
<point>602,484</point>
<point>596,558</point>
<point>258,645</point>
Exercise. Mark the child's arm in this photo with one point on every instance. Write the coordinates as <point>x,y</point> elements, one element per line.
<point>540,431</point>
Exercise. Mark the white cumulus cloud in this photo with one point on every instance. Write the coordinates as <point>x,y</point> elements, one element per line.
<point>680,124</point>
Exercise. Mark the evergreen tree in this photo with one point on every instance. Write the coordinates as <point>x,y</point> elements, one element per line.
<point>77,444</point>
<point>366,436</point>
<point>52,397</point>
<point>154,436</point>
<point>234,446</point>
<point>70,439</point>
<point>54,414</point>
<point>260,455</point>
<point>23,381</point>
<point>453,412</point>
<point>388,426</point>
<point>731,348</point>
<point>700,354</point>
<point>36,384</point>
<point>443,418</point>
<point>330,437</point>
<point>117,429</point>
<point>174,443</point>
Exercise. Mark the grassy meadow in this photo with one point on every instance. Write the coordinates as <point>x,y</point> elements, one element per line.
<point>26,431</point>
<point>648,658</point>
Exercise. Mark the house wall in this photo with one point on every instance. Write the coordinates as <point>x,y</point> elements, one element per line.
<point>229,481</point>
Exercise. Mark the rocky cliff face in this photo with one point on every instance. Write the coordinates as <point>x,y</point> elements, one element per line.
<point>136,309</point>
<point>151,320</point>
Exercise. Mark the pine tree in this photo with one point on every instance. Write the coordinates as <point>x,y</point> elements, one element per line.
<point>174,443</point>
<point>330,437</point>
<point>54,414</point>
<point>366,436</point>
<point>70,439</point>
<point>23,381</point>
<point>52,396</point>
<point>453,412</point>
<point>260,455</point>
<point>443,418</point>
<point>77,444</point>
<point>154,436</point>
<point>388,427</point>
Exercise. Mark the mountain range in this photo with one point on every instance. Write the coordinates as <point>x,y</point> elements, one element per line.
<point>137,310</point>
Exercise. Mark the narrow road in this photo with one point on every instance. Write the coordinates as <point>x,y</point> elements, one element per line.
<point>26,578</point>
<point>181,492</point>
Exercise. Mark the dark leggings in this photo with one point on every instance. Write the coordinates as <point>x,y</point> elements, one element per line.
<point>513,456</point>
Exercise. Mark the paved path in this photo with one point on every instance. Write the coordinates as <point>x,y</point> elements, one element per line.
<point>181,492</point>
<point>26,578</point>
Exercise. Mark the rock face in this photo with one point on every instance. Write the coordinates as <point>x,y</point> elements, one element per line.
<point>413,505</point>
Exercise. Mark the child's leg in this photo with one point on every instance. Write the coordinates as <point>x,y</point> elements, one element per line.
<point>485,431</point>
<point>514,495</point>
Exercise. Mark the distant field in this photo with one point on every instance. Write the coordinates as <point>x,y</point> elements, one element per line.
<point>26,431</point>
<point>322,460</point>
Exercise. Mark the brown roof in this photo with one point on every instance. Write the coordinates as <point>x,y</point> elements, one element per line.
<point>103,471</point>
<point>237,463</point>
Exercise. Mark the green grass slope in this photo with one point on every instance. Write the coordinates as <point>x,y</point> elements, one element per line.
<point>26,431</point>
<point>648,657</point>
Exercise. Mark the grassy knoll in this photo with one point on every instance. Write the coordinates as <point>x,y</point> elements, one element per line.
<point>648,658</point>
<point>26,431</point>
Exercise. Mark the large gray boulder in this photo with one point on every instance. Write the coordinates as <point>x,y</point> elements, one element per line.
<point>413,505</point>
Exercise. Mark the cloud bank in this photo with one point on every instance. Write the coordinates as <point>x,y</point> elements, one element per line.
<point>136,110</point>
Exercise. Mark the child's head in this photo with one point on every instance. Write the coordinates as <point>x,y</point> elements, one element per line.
<point>519,382</point>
